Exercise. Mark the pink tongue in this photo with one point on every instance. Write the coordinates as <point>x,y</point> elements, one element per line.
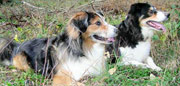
<point>158,26</point>
<point>111,39</point>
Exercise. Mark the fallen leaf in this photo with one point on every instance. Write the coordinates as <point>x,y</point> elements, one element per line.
<point>112,71</point>
<point>39,26</point>
<point>152,77</point>
<point>16,38</point>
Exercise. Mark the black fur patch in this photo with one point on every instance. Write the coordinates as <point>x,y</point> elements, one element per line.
<point>7,52</point>
<point>82,24</point>
<point>90,16</point>
<point>130,30</point>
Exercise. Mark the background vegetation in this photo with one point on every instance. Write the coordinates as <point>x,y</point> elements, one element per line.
<point>28,19</point>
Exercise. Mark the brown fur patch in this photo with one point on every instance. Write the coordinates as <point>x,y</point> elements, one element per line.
<point>71,30</point>
<point>62,78</point>
<point>93,28</point>
<point>20,61</point>
<point>153,17</point>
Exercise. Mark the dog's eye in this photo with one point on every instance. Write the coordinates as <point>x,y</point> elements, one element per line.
<point>98,23</point>
<point>152,11</point>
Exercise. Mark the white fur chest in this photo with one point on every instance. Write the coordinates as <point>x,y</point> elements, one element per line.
<point>93,64</point>
<point>139,53</point>
<point>147,32</point>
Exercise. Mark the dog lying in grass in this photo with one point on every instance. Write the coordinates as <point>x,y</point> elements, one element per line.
<point>133,42</point>
<point>75,53</point>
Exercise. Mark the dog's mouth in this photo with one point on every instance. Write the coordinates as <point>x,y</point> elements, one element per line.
<point>156,25</point>
<point>104,39</point>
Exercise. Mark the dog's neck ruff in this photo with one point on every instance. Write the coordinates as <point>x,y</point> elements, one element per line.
<point>92,63</point>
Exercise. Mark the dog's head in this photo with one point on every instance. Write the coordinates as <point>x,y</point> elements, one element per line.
<point>148,16</point>
<point>91,26</point>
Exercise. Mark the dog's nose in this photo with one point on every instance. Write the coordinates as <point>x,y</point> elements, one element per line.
<point>167,14</point>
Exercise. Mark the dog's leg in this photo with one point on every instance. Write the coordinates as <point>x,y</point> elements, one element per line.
<point>62,78</point>
<point>152,65</point>
<point>136,63</point>
<point>20,61</point>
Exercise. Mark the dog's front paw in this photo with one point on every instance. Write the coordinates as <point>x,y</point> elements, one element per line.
<point>157,68</point>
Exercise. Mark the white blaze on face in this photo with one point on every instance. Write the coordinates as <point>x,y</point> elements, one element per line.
<point>160,16</point>
<point>110,30</point>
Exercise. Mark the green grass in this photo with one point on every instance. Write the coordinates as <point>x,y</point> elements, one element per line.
<point>28,23</point>
<point>12,77</point>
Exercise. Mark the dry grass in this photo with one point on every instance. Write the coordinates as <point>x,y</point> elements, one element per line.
<point>123,5</point>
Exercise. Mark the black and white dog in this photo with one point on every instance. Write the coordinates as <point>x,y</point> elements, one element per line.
<point>135,33</point>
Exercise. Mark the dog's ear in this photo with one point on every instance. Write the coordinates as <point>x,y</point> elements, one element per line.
<point>133,9</point>
<point>81,21</point>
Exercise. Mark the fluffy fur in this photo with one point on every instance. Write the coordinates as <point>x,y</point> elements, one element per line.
<point>75,53</point>
<point>135,33</point>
